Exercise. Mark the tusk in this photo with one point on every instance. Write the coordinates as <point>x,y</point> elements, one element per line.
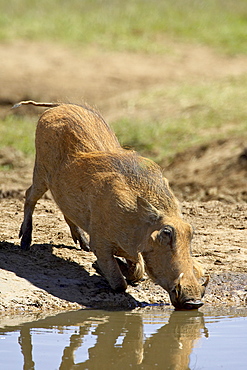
<point>204,285</point>
<point>179,278</point>
<point>178,285</point>
<point>206,282</point>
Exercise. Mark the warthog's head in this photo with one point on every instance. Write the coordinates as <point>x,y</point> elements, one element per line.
<point>169,263</point>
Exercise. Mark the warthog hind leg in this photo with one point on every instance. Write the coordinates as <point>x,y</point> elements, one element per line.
<point>33,194</point>
<point>78,235</point>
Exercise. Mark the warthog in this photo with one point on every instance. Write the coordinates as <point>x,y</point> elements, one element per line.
<point>118,197</point>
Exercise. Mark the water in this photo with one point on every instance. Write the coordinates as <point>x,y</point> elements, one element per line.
<point>151,338</point>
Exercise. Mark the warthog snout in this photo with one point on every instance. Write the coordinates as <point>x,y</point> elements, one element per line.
<point>192,305</point>
<point>186,297</point>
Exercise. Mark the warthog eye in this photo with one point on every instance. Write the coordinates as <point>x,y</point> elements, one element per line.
<point>166,235</point>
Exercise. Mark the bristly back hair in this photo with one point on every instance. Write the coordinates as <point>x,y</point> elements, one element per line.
<point>139,172</point>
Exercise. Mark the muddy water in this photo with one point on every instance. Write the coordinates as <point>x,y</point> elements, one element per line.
<point>150,338</point>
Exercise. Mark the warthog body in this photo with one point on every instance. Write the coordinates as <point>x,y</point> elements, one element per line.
<point>119,198</point>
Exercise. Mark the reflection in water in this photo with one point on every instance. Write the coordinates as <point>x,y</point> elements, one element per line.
<point>26,348</point>
<point>168,347</point>
<point>172,345</point>
<point>105,351</point>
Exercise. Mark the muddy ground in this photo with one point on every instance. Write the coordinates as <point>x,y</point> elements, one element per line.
<point>210,181</point>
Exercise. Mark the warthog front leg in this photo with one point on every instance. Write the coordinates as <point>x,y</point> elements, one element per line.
<point>78,235</point>
<point>107,266</point>
<point>114,277</point>
<point>133,271</point>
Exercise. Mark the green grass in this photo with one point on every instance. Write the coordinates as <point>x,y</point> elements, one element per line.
<point>136,25</point>
<point>172,119</point>
<point>179,117</point>
<point>18,133</point>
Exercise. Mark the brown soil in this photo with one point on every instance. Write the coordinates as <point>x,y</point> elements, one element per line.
<point>210,181</point>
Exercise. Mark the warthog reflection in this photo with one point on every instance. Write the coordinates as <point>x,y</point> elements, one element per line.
<point>169,347</point>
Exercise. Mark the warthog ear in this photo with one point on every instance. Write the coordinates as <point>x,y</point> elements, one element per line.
<point>149,213</point>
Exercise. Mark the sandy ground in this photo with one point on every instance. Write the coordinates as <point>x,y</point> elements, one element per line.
<point>211,182</point>
<point>55,274</point>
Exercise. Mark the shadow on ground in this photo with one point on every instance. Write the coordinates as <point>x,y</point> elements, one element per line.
<point>62,278</point>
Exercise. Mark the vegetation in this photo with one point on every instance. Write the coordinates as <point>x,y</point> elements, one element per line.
<point>18,133</point>
<point>137,25</point>
<point>184,116</point>
<point>174,118</point>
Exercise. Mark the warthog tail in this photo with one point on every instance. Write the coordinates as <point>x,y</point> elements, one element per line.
<point>46,105</point>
